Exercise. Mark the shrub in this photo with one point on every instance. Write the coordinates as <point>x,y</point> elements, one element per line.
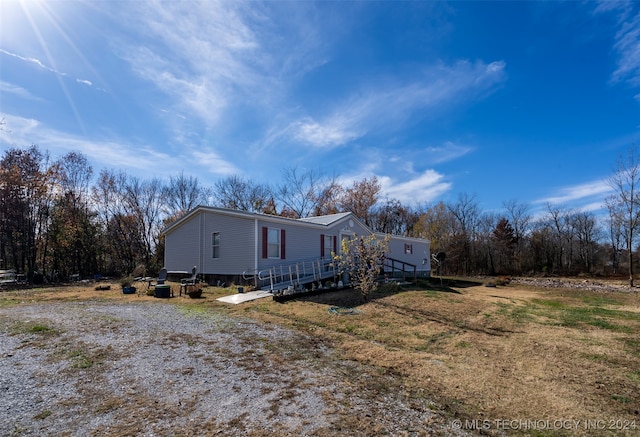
<point>390,287</point>
<point>362,257</point>
<point>503,280</point>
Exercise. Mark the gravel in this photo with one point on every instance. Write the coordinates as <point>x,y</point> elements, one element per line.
<point>576,283</point>
<point>156,369</point>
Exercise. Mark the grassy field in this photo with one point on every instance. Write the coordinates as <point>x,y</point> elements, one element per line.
<point>527,360</point>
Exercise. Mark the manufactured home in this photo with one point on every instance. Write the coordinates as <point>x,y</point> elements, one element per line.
<point>268,251</point>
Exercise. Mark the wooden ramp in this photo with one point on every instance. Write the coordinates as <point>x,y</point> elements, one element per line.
<point>245,297</point>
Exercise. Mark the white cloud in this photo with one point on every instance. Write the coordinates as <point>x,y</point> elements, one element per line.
<point>628,47</point>
<point>214,164</point>
<point>390,106</point>
<point>211,55</point>
<point>627,40</point>
<point>332,133</point>
<point>579,192</point>
<point>426,187</point>
<point>447,152</point>
<point>40,64</point>
<point>110,153</point>
<point>9,88</point>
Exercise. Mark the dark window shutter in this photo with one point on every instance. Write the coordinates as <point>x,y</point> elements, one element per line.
<point>321,245</point>
<point>265,242</point>
<point>335,242</point>
<point>282,244</point>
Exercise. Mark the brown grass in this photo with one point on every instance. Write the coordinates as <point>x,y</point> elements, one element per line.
<point>478,353</point>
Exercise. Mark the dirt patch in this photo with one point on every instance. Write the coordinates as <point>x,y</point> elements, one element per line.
<point>80,363</point>
<point>531,357</point>
<point>541,353</point>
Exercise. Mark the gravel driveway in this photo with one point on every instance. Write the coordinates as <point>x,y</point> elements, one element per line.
<point>156,369</point>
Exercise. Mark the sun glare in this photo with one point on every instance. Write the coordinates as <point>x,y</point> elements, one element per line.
<point>35,31</point>
<point>21,19</point>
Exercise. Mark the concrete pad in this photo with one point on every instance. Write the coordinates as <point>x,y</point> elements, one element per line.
<point>245,297</point>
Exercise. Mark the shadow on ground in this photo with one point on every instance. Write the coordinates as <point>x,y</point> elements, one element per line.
<point>351,297</point>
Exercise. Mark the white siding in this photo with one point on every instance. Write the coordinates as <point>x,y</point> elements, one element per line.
<point>236,244</point>
<point>188,242</point>
<point>420,256</point>
<point>301,243</point>
<point>182,246</point>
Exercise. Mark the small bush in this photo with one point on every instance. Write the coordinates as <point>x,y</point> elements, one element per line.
<point>503,280</point>
<point>139,271</point>
<point>389,287</point>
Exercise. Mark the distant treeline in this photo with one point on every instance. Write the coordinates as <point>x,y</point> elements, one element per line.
<point>58,219</point>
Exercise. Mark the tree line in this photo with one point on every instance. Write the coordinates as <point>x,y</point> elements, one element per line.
<point>58,219</point>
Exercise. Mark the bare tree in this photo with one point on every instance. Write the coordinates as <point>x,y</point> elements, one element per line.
<point>436,223</point>
<point>361,197</point>
<point>587,233</point>
<point>625,182</point>
<point>182,194</point>
<point>615,231</point>
<point>559,219</point>
<point>300,192</point>
<point>486,243</point>
<point>520,219</point>
<point>129,211</point>
<point>242,194</point>
<point>143,202</point>
<point>467,213</point>
<point>328,198</point>
<point>73,232</point>
<point>26,193</point>
<point>392,217</point>
<point>363,258</point>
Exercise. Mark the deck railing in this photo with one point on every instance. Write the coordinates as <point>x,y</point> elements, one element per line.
<point>396,266</point>
<point>293,274</point>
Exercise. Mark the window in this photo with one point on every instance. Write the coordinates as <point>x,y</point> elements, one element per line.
<point>215,244</point>
<point>274,243</point>
<point>327,245</point>
<point>408,248</point>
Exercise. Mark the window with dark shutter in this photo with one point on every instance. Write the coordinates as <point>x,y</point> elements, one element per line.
<point>265,242</point>
<point>282,245</point>
<point>215,244</point>
<point>273,243</point>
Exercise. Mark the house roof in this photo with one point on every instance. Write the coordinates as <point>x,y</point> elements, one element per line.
<point>323,220</point>
<point>326,219</point>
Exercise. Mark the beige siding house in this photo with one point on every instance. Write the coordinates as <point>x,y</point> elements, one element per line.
<point>230,245</point>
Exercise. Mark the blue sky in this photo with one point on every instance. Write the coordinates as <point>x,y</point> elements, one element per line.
<point>526,101</point>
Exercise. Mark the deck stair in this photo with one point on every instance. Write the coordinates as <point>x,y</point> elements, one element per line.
<point>295,275</point>
<point>394,269</point>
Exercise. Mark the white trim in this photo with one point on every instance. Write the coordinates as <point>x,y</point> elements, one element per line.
<point>256,249</point>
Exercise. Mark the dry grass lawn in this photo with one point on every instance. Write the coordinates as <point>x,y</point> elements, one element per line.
<point>507,353</point>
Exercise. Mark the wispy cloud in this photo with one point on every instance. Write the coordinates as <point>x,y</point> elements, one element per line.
<point>211,55</point>
<point>627,40</point>
<point>333,132</point>
<point>447,152</point>
<point>43,66</point>
<point>391,106</point>
<point>111,153</point>
<point>9,88</point>
<point>628,48</point>
<point>215,164</point>
<point>581,192</point>
<point>425,187</point>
